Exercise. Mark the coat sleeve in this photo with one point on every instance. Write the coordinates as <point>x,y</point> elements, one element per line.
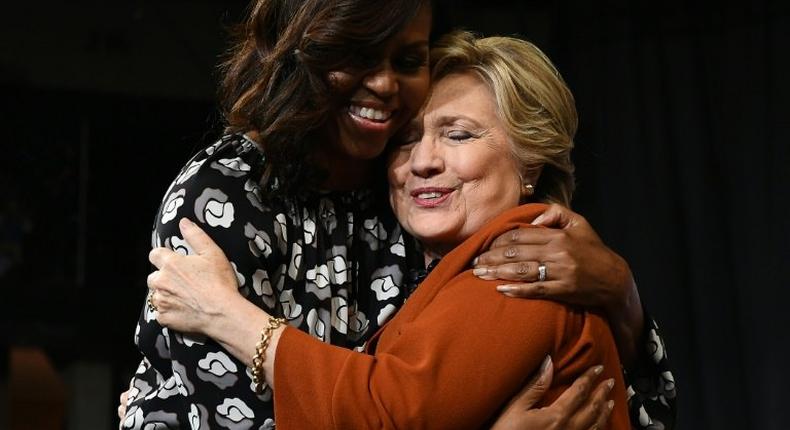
<point>453,366</point>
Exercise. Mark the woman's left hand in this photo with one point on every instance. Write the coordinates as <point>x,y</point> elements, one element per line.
<point>189,292</point>
<point>579,269</point>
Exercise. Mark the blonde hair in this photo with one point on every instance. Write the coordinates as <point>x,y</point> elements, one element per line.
<point>532,99</point>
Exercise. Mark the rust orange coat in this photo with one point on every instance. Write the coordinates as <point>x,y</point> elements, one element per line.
<point>455,353</point>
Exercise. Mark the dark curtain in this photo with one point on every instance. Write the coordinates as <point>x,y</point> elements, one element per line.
<point>682,155</point>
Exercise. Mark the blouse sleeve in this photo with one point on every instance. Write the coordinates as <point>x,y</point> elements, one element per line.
<point>650,383</point>
<point>192,379</point>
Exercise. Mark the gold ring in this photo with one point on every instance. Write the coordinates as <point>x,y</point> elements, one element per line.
<point>151,306</point>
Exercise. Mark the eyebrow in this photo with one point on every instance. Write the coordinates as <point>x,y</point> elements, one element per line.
<point>450,119</point>
<point>416,45</point>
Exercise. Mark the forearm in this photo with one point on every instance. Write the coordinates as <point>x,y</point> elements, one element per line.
<point>627,321</point>
<point>239,331</point>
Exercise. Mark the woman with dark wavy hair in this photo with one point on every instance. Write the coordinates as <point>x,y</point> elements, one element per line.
<point>312,92</point>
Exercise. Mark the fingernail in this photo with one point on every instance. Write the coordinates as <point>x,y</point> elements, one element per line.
<point>185,222</point>
<point>505,288</point>
<point>482,271</point>
<point>598,369</point>
<point>544,367</point>
<point>474,262</point>
<point>545,364</point>
<point>537,220</point>
<point>610,404</point>
<point>610,383</point>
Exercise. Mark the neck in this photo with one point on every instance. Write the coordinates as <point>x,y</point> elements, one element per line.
<point>430,256</point>
<point>344,173</point>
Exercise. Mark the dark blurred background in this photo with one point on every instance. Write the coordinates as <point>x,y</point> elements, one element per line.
<point>682,156</point>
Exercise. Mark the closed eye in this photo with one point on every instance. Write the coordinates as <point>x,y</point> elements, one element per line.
<point>459,135</point>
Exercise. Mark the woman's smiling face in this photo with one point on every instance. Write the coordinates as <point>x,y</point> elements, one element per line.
<point>382,100</point>
<point>455,172</point>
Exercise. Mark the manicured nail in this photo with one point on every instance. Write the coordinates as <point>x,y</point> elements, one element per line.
<point>545,364</point>
<point>482,271</point>
<point>610,404</point>
<point>537,220</point>
<point>543,369</point>
<point>505,288</point>
<point>598,369</point>
<point>610,383</point>
<point>474,262</point>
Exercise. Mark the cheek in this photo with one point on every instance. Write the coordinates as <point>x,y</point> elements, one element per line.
<point>397,167</point>
<point>415,90</point>
<point>340,82</point>
<point>491,184</point>
<point>397,171</point>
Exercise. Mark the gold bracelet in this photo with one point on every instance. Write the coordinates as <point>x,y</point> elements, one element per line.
<point>260,352</point>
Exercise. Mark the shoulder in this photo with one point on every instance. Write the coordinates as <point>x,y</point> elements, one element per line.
<point>575,337</point>
<point>476,296</point>
<point>232,156</point>
<point>219,188</point>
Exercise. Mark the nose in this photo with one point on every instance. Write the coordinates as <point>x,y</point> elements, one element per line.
<point>426,158</point>
<point>382,81</point>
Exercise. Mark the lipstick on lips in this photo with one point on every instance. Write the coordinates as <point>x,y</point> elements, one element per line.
<point>430,197</point>
<point>369,117</point>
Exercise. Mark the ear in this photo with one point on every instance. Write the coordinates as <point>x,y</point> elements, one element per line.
<point>529,182</point>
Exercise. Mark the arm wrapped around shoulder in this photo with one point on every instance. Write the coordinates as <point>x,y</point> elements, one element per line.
<point>451,359</point>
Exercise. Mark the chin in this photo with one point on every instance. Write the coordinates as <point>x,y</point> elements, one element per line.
<point>370,152</point>
<point>440,238</point>
<point>366,150</point>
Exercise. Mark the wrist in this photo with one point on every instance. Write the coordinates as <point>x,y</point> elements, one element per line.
<point>233,316</point>
<point>628,329</point>
<point>625,314</point>
<point>620,288</point>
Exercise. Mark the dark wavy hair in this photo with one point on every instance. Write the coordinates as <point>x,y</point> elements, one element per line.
<point>274,80</point>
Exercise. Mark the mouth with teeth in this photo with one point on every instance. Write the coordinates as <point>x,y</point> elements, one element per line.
<point>430,197</point>
<point>370,114</point>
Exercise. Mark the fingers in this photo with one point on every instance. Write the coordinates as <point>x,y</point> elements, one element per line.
<point>536,290</point>
<point>160,256</point>
<point>200,242</point>
<point>122,405</point>
<point>524,271</point>
<point>556,216</point>
<point>513,253</point>
<point>579,392</point>
<point>536,387</point>
<point>155,285</point>
<point>597,410</point>
<point>523,235</point>
<point>196,238</point>
<point>161,300</point>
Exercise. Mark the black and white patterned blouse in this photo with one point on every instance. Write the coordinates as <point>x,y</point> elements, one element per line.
<point>331,263</point>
